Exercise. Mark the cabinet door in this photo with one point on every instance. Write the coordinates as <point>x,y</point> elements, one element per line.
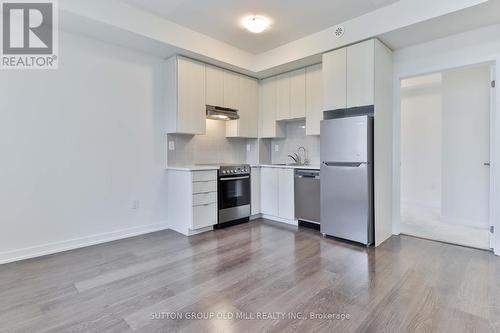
<point>231,90</point>
<point>191,101</point>
<point>314,99</point>
<point>255,176</point>
<point>268,109</point>
<point>269,191</point>
<point>283,97</point>
<point>361,74</point>
<point>248,124</point>
<point>334,80</point>
<point>286,197</point>
<point>298,94</point>
<point>215,86</point>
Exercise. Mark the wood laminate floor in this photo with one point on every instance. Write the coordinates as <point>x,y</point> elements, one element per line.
<point>274,277</point>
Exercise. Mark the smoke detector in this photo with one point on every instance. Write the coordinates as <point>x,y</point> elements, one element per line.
<point>338,31</point>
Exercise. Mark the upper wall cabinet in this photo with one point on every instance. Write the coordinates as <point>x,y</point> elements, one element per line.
<point>215,86</point>
<point>248,124</point>
<point>269,128</point>
<point>334,80</point>
<point>360,74</point>
<point>231,90</point>
<point>314,99</point>
<point>298,94</point>
<point>283,96</point>
<point>349,76</point>
<point>291,95</point>
<point>185,98</point>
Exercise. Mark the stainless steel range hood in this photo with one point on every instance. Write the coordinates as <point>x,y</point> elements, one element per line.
<point>220,113</point>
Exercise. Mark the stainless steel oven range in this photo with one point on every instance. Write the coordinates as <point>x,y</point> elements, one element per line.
<point>234,194</point>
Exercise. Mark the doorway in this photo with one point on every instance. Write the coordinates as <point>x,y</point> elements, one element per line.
<point>445,156</point>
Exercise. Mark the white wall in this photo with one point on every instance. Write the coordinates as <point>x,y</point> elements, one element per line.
<point>473,47</point>
<point>421,142</point>
<point>78,146</point>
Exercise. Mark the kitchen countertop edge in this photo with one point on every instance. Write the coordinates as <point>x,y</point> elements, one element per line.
<point>216,167</point>
<point>194,168</point>
<point>302,167</point>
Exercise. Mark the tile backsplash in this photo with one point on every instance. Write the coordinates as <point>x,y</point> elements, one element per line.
<point>213,147</point>
<point>295,137</point>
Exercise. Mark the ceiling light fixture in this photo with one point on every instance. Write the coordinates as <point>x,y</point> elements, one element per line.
<point>256,24</point>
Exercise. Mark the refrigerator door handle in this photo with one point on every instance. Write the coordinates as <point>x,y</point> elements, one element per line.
<point>346,164</point>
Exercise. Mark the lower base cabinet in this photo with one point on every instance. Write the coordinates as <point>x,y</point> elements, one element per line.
<point>255,176</point>
<point>286,194</point>
<point>269,191</point>
<point>277,192</point>
<point>192,200</point>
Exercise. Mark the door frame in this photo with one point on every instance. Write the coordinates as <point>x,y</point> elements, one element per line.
<point>493,98</point>
<point>494,142</point>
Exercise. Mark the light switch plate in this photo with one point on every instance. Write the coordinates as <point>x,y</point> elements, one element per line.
<point>171,145</point>
<point>248,147</point>
<point>276,148</point>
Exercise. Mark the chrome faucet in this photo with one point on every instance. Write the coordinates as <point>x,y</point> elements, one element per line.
<point>295,158</point>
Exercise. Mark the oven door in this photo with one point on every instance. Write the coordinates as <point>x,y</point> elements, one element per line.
<point>234,198</point>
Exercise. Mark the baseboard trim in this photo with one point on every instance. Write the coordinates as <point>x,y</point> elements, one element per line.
<point>255,217</point>
<point>57,247</point>
<point>281,220</point>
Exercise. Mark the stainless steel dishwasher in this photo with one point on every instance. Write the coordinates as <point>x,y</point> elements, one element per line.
<point>307,195</point>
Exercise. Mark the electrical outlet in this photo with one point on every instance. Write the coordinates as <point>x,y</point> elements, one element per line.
<point>136,204</point>
<point>171,145</point>
<point>276,148</point>
<point>248,148</point>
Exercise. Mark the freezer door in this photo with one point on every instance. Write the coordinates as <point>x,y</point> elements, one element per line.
<point>345,140</point>
<point>346,201</point>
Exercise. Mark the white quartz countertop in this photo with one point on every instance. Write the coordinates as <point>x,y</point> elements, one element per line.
<point>217,167</point>
<point>302,167</point>
<point>193,167</point>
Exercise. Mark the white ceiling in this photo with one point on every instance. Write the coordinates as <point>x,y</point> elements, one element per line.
<point>292,19</point>
<point>465,20</point>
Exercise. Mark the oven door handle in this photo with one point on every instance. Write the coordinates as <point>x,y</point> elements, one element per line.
<point>234,178</point>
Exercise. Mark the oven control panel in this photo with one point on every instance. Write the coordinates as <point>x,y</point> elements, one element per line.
<point>231,170</point>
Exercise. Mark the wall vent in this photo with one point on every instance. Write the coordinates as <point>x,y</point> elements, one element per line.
<point>339,31</point>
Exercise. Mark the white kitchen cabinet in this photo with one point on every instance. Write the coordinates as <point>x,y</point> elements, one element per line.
<point>360,74</point>
<point>277,193</point>
<point>185,98</point>
<point>297,94</point>
<point>314,99</point>
<point>269,191</point>
<point>334,80</point>
<point>192,201</point>
<point>286,196</point>
<point>248,124</point>
<point>231,90</point>
<point>214,86</point>
<point>283,96</point>
<point>269,128</point>
<point>349,76</point>
<point>255,204</point>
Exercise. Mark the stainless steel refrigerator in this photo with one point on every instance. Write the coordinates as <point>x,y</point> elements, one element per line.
<point>347,178</point>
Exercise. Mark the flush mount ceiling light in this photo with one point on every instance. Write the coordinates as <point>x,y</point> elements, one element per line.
<point>256,24</point>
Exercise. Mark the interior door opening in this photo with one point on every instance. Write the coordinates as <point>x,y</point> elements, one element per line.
<point>445,156</point>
